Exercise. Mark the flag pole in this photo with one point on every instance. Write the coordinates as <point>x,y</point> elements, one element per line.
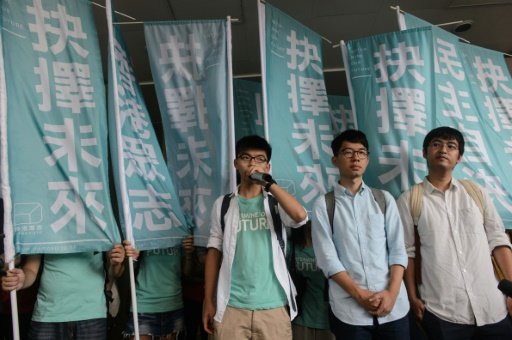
<point>120,159</point>
<point>5,192</point>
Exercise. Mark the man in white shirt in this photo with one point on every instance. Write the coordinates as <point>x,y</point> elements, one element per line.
<point>457,297</point>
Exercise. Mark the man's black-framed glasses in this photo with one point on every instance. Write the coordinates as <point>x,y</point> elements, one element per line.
<point>349,153</point>
<point>257,159</point>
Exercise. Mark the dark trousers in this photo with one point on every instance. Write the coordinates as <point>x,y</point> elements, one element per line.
<point>394,330</point>
<point>439,329</point>
<point>93,329</point>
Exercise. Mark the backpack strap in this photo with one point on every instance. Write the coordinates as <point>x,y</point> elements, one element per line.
<point>475,193</point>
<point>329,203</point>
<point>276,219</point>
<point>478,197</point>
<point>380,198</point>
<point>416,204</point>
<point>224,209</point>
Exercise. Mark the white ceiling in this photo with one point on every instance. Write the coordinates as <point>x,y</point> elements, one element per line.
<point>333,19</point>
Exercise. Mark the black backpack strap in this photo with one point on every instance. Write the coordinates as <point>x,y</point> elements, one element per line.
<point>329,203</point>
<point>379,197</point>
<point>224,209</point>
<point>276,219</point>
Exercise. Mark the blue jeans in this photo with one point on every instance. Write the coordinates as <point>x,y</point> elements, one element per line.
<point>394,330</point>
<point>157,324</point>
<point>439,329</point>
<point>93,329</point>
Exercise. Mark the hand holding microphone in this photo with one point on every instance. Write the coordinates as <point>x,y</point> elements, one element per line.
<point>264,179</point>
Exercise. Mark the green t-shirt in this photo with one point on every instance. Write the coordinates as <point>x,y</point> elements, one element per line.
<point>314,311</point>
<point>158,285</point>
<point>71,288</point>
<point>254,284</point>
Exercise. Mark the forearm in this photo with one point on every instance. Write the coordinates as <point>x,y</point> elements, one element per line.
<point>211,273</point>
<point>344,280</point>
<point>503,256</point>
<point>410,280</point>
<point>289,204</point>
<point>395,279</point>
<point>31,269</point>
<point>115,271</point>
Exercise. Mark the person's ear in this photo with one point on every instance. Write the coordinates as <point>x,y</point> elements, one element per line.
<point>334,160</point>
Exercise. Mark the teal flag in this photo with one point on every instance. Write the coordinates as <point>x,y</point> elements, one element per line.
<point>488,130</point>
<point>391,80</point>
<point>474,94</point>
<point>57,147</point>
<point>342,117</point>
<point>188,61</point>
<point>156,219</point>
<point>248,108</point>
<point>298,118</point>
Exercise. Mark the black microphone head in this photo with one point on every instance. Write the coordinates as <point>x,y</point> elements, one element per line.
<point>505,286</point>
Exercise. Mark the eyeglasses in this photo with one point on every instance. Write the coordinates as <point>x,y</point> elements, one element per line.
<point>257,159</point>
<point>349,153</point>
<point>437,144</point>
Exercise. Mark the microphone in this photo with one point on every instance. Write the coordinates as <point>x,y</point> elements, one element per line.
<point>505,286</point>
<point>261,177</point>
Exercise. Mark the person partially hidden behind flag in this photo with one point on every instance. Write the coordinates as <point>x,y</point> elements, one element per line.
<point>248,290</point>
<point>71,303</point>
<point>159,291</point>
<point>451,229</point>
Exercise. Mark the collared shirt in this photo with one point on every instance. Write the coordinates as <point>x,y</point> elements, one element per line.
<point>458,282</point>
<point>226,243</point>
<point>365,244</point>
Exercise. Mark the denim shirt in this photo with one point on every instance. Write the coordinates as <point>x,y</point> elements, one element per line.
<point>365,244</point>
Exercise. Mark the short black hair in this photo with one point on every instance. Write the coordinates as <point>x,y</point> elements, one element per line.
<point>352,136</point>
<point>253,142</point>
<point>447,133</point>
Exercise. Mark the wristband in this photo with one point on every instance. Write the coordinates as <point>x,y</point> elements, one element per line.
<point>269,184</point>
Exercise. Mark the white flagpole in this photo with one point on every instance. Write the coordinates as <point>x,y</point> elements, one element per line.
<point>9,251</point>
<point>231,110</point>
<point>120,159</point>
<point>344,54</point>
<point>263,62</point>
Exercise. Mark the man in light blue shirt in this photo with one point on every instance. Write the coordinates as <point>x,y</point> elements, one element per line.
<point>363,252</point>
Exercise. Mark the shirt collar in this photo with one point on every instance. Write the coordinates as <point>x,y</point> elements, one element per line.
<point>341,190</point>
<point>429,188</point>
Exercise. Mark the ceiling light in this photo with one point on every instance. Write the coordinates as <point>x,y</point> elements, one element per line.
<point>463,26</point>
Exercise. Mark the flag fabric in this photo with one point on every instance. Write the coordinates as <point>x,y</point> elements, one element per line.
<point>474,94</point>
<point>297,109</point>
<point>149,207</point>
<point>390,79</point>
<point>248,108</point>
<point>189,64</point>
<point>342,117</point>
<point>56,134</point>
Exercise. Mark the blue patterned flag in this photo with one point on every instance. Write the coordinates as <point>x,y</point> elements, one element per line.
<point>189,65</point>
<point>150,211</point>
<point>56,136</point>
<point>298,119</point>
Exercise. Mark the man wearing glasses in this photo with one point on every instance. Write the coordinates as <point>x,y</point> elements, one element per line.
<point>248,291</point>
<point>360,248</point>
<point>453,290</point>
